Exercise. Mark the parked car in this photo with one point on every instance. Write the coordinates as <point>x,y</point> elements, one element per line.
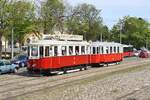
<point>6,66</point>
<point>20,60</point>
<point>136,53</point>
<point>144,54</point>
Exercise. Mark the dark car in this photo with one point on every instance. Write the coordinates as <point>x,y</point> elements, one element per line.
<point>20,60</point>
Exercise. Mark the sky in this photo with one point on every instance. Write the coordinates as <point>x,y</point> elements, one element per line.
<point>112,10</point>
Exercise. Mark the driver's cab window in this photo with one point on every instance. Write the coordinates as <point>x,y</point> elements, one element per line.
<point>34,51</point>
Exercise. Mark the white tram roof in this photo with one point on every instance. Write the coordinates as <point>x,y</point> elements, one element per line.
<point>57,42</point>
<point>124,45</point>
<point>105,44</point>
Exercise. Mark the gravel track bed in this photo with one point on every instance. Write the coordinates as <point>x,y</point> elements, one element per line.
<point>35,85</point>
<point>125,86</point>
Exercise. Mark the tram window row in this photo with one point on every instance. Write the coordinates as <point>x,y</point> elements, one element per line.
<point>46,51</point>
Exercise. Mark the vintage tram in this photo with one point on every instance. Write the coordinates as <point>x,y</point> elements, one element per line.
<point>52,55</point>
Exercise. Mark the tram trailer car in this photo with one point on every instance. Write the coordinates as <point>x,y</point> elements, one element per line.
<point>105,53</point>
<point>46,56</point>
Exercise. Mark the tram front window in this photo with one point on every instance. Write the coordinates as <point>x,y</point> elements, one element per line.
<point>34,51</point>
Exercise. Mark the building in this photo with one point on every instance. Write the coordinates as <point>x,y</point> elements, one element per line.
<point>4,43</point>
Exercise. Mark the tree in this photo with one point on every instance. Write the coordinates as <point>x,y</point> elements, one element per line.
<point>86,21</point>
<point>22,19</point>
<point>3,13</point>
<point>52,13</point>
<point>134,31</point>
<point>17,15</point>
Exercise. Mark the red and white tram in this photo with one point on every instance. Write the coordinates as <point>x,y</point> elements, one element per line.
<point>106,52</point>
<point>47,56</point>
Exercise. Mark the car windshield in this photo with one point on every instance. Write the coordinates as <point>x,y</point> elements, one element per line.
<point>7,63</point>
<point>21,57</point>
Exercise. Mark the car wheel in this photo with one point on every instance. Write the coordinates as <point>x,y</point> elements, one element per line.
<point>15,70</point>
<point>0,72</point>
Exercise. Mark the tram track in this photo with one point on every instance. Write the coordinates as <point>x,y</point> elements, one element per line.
<point>140,90</point>
<point>26,89</point>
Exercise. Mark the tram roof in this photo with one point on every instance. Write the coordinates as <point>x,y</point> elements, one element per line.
<point>56,42</point>
<point>106,44</point>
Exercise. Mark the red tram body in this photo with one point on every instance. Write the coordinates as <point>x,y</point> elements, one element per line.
<point>55,55</point>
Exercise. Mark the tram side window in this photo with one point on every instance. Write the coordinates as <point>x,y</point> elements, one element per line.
<point>110,49</point>
<point>118,49</point>
<point>47,53</point>
<point>114,49</point>
<point>77,50</point>
<point>41,51</point>
<point>94,50</point>
<point>51,51</point>
<point>70,50</point>
<point>64,50</point>
<point>55,50</point>
<point>98,50</point>
<point>102,50</point>
<point>107,50</point>
<point>34,51</point>
<point>83,49</point>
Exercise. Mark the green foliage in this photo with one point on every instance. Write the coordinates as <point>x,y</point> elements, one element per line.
<point>86,21</point>
<point>134,31</point>
<point>52,13</point>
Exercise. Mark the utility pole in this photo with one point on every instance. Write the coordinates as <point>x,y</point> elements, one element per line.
<point>121,32</point>
<point>12,43</point>
<point>101,37</point>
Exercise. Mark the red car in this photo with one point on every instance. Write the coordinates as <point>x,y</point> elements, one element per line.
<point>144,54</point>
